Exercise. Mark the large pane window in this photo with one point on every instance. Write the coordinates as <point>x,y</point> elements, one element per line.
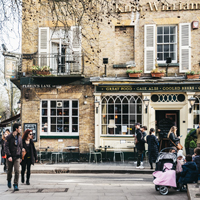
<point>166,43</point>
<point>120,113</point>
<point>60,116</point>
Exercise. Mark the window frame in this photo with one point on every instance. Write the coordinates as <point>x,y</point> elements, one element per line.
<point>175,43</point>
<point>195,111</point>
<point>48,133</point>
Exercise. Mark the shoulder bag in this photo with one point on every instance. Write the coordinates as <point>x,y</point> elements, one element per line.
<point>178,146</point>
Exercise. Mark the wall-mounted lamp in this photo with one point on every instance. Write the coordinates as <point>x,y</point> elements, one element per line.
<point>195,25</point>
<point>192,101</point>
<point>97,104</point>
<point>146,103</point>
<point>85,102</point>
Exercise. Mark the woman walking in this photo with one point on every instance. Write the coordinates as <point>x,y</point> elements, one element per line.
<point>3,155</point>
<point>29,155</point>
<point>152,142</point>
<point>173,137</point>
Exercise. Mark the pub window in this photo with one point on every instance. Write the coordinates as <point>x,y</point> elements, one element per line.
<point>196,111</point>
<point>60,117</point>
<point>166,43</point>
<point>120,113</point>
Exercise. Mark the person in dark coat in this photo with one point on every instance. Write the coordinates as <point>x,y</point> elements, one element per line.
<point>29,155</point>
<point>139,144</point>
<point>196,159</point>
<point>189,173</point>
<point>152,142</point>
<point>173,137</point>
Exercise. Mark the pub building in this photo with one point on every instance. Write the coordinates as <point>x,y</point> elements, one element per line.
<point>86,102</point>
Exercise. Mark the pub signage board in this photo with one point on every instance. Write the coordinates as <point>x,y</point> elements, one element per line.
<point>33,127</point>
<point>149,88</point>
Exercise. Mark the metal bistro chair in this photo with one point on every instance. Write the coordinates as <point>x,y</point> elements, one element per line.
<point>92,151</point>
<point>120,152</point>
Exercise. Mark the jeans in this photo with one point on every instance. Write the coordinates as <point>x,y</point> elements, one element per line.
<point>16,164</point>
<point>140,152</point>
<point>26,163</point>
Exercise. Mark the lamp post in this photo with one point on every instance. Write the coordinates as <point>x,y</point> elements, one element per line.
<point>192,102</point>
<point>146,103</point>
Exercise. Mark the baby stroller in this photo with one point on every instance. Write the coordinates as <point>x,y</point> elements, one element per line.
<point>165,172</point>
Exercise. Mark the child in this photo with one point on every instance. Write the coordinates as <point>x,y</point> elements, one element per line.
<point>180,161</point>
<point>189,173</point>
<point>196,159</point>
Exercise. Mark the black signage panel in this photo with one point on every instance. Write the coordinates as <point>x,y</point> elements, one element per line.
<point>149,88</point>
<point>33,127</point>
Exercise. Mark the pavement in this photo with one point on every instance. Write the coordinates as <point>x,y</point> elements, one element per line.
<point>103,168</point>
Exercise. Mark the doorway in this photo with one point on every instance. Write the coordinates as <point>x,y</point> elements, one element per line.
<point>165,119</point>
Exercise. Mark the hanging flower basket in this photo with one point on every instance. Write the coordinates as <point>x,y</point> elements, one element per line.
<point>44,70</point>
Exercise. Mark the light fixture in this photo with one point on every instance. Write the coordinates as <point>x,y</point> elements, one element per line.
<point>97,104</point>
<point>192,101</point>
<point>146,103</point>
<point>19,104</point>
<point>85,102</point>
<point>195,25</point>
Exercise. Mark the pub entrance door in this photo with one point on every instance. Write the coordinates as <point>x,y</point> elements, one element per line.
<point>165,119</point>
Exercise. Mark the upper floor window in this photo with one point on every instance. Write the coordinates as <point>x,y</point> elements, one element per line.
<point>60,117</point>
<point>166,43</point>
<point>196,111</point>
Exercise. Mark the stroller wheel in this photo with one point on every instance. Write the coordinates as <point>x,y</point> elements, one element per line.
<point>157,187</point>
<point>163,190</point>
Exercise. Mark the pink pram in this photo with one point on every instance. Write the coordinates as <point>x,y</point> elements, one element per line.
<point>165,173</point>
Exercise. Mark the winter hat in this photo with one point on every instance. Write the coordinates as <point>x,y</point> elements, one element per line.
<point>180,153</point>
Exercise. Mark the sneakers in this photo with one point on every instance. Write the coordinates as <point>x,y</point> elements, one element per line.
<point>15,187</point>
<point>9,184</point>
<point>140,167</point>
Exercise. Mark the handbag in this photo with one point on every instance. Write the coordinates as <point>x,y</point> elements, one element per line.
<point>23,154</point>
<point>178,146</point>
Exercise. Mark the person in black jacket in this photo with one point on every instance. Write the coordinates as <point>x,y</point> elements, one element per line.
<point>152,142</point>
<point>13,150</point>
<point>173,139</point>
<point>196,159</point>
<point>139,144</point>
<point>29,155</point>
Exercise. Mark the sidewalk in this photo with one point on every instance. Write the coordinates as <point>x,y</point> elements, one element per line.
<point>85,167</point>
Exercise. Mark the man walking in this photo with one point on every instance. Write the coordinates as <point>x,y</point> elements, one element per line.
<point>139,144</point>
<point>13,150</point>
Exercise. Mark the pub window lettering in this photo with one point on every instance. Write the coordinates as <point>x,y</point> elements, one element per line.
<point>60,117</point>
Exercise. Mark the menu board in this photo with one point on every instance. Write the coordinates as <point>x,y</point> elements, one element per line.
<point>164,125</point>
<point>33,127</point>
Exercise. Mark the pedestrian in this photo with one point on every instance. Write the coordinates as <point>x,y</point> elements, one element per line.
<point>173,137</point>
<point>196,134</point>
<point>196,159</point>
<point>152,142</point>
<point>3,154</point>
<point>143,129</point>
<point>139,144</point>
<point>29,155</point>
<point>13,150</point>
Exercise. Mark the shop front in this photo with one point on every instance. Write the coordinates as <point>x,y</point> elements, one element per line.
<point>122,105</point>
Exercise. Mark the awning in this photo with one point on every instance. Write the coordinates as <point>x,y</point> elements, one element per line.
<point>7,121</point>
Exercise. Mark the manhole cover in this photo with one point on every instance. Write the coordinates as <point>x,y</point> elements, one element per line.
<point>43,190</point>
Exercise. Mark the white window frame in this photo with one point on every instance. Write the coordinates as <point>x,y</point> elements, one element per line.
<point>164,61</point>
<point>48,133</point>
<point>129,113</point>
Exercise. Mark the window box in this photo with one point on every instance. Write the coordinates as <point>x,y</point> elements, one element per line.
<point>157,75</point>
<point>134,73</point>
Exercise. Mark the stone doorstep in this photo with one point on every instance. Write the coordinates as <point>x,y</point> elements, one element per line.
<point>193,191</point>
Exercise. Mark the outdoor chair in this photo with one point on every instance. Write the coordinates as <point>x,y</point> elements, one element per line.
<point>93,152</point>
<point>118,150</point>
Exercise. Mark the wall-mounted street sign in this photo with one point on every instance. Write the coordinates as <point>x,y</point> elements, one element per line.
<point>149,88</point>
<point>33,127</point>
<point>10,67</point>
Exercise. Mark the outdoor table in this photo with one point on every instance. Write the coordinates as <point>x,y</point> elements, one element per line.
<point>45,150</point>
<point>105,148</point>
<point>71,148</point>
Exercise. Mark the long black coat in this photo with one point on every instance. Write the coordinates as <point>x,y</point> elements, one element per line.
<point>33,151</point>
<point>152,148</point>
<point>174,139</point>
<point>140,139</point>
<point>2,147</point>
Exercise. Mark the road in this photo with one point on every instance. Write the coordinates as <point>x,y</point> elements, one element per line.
<point>87,187</point>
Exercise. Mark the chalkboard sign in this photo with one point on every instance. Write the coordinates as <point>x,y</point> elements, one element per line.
<point>33,127</point>
<point>164,125</point>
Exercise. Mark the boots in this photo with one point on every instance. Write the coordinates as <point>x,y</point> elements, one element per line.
<point>22,178</point>
<point>15,187</point>
<point>27,182</point>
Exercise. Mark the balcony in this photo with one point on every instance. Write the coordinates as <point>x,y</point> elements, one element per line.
<point>60,65</point>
